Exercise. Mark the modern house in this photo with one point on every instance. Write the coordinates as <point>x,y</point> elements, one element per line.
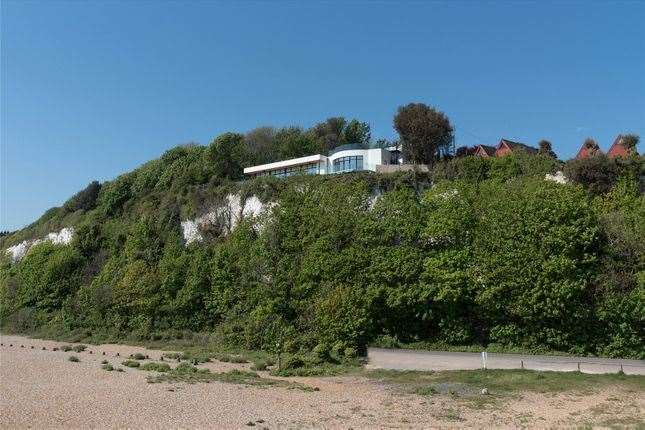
<point>345,158</point>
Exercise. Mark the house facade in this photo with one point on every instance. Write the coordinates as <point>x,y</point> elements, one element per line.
<point>345,158</point>
<point>617,149</point>
<point>506,146</point>
<point>484,151</point>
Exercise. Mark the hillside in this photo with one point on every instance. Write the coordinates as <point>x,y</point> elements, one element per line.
<point>490,254</point>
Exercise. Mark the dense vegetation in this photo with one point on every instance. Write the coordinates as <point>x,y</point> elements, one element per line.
<point>490,254</point>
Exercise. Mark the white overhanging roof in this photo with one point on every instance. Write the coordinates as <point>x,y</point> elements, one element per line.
<point>286,163</point>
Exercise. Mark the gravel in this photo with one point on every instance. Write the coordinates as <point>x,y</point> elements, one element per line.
<point>40,388</point>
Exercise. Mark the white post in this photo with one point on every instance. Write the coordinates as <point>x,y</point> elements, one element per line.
<point>484,359</point>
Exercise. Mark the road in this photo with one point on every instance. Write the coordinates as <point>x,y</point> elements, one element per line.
<point>406,359</point>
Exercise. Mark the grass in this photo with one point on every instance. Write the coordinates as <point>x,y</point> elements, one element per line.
<point>230,358</point>
<point>73,359</point>
<point>503,382</point>
<point>188,373</point>
<point>259,365</point>
<point>131,363</point>
<point>75,348</point>
<point>155,367</point>
<point>107,367</point>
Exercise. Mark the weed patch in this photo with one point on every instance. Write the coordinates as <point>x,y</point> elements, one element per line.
<point>131,363</point>
<point>155,367</point>
<point>190,374</point>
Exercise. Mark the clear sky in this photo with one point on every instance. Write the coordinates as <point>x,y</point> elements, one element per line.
<point>93,89</point>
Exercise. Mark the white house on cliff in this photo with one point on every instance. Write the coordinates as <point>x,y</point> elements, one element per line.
<point>345,158</point>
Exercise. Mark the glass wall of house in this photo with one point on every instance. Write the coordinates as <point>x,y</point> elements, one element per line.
<point>303,169</point>
<point>348,164</point>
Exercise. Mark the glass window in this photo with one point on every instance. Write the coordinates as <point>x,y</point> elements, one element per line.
<point>348,164</point>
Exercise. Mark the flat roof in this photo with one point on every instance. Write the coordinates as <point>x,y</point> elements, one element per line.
<point>285,163</point>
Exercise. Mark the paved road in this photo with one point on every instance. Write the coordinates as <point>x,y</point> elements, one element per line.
<point>406,359</point>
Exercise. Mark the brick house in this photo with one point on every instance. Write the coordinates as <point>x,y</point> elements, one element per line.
<point>618,149</point>
<point>586,152</point>
<point>506,146</point>
<point>484,151</point>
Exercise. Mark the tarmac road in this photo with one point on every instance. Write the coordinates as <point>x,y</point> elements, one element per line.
<point>407,359</point>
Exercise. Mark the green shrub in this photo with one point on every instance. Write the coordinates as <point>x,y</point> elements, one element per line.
<point>130,363</point>
<point>259,365</point>
<point>107,367</point>
<point>155,367</point>
<point>73,359</point>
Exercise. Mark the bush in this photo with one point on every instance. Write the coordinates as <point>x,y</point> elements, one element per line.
<point>597,174</point>
<point>73,359</point>
<point>155,367</point>
<point>107,367</point>
<point>85,199</point>
<point>259,365</point>
<point>130,363</point>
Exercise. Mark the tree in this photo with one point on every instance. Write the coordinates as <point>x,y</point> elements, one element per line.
<point>630,141</point>
<point>597,174</point>
<point>424,132</point>
<point>338,131</point>
<point>228,155</point>
<point>84,199</point>
<point>357,132</point>
<point>546,149</point>
<point>330,133</point>
<point>262,145</point>
<point>294,142</point>
<point>592,146</point>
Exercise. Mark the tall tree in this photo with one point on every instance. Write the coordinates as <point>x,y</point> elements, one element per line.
<point>545,148</point>
<point>294,142</point>
<point>357,132</point>
<point>424,131</point>
<point>228,154</point>
<point>262,145</point>
<point>330,133</point>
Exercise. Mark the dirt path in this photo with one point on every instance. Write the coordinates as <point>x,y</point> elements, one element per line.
<point>407,359</point>
<point>41,388</point>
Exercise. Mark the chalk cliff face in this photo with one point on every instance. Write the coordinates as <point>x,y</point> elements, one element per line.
<point>223,218</point>
<point>18,251</point>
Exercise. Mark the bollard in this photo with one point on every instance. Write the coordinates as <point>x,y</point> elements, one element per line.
<point>522,364</point>
<point>484,358</point>
<point>578,366</point>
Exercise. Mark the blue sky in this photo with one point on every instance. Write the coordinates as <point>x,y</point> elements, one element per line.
<point>93,89</point>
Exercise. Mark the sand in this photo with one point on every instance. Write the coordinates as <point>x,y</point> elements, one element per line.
<point>42,389</point>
